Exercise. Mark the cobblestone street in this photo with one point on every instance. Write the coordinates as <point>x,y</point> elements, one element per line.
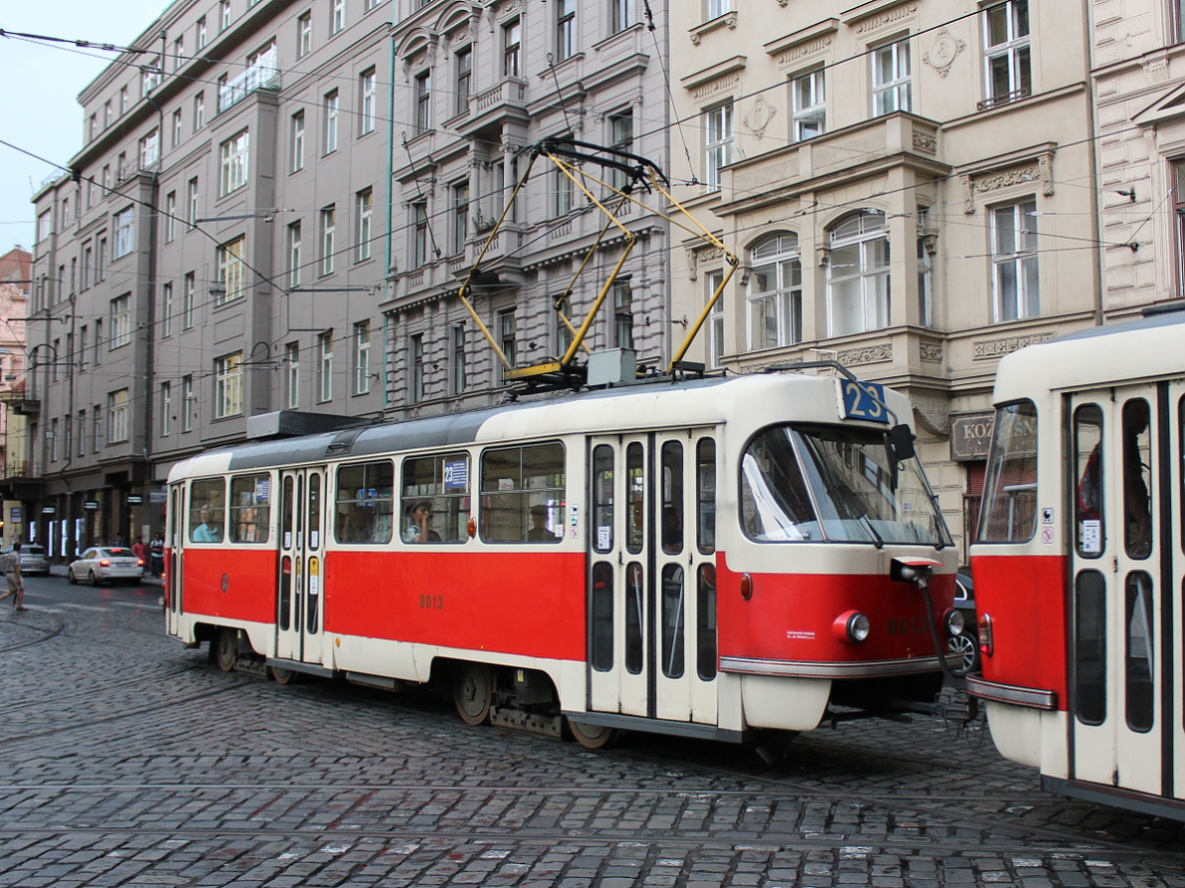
<point>128,760</point>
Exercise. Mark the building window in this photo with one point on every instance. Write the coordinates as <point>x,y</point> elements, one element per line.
<point>1007,59</point>
<point>125,233</point>
<point>179,52</point>
<point>362,357</point>
<point>328,238</point>
<point>189,294</point>
<point>367,87</point>
<point>331,112</point>
<point>117,416</point>
<point>623,315</point>
<point>88,264</point>
<point>294,254</point>
<point>460,379</point>
<point>464,77</point>
<point>1015,284</point>
<point>423,101</point>
<point>201,32</point>
<point>621,138</point>
<point>512,49</point>
<point>925,269</point>
<point>121,321</point>
<point>166,309</point>
<point>623,15</point>
<point>565,192</point>
<point>123,101</point>
<point>365,213</point>
<point>199,111</point>
<point>82,432</point>
<point>508,336</point>
<point>292,360</point>
<point>712,282</point>
<point>325,367</point>
<point>187,403</point>
<point>44,225</point>
<point>170,217</point>
<point>166,408</point>
<point>415,392</point>
<point>718,132</point>
<point>419,243</point>
<point>890,78</point>
<point>99,343</point>
<point>297,141</point>
<point>231,272</point>
<point>337,16</point>
<point>304,35</point>
<point>810,105</point>
<point>716,8</point>
<point>460,215</point>
<point>83,346</point>
<point>858,275</point>
<point>775,293</point>
<point>101,261</point>
<point>150,76</point>
<point>192,201</point>
<point>228,385</point>
<point>235,155</point>
<point>223,15</point>
<point>565,38</point>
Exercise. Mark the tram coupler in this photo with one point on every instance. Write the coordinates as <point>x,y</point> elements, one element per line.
<point>964,710</point>
<point>518,720</point>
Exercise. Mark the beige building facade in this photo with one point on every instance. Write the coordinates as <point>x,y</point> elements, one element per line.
<point>908,186</point>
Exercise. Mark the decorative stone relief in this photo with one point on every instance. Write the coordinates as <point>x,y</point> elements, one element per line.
<point>759,116</point>
<point>943,51</point>
<point>990,349</point>
<point>927,143</point>
<point>931,413</point>
<point>930,351</point>
<point>797,53</point>
<point>866,354</point>
<point>716,86</point>
<point>729,20</point>
<point>1038,170</point>
<point>892,17</point>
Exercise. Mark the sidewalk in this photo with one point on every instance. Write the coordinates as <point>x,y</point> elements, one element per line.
<point>59,570</point>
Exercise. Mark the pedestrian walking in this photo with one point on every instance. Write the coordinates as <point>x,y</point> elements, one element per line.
<point>156,551</point>
<point>10,563</point>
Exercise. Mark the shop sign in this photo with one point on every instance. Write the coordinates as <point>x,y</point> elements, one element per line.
<point>91,506</point>
<point>970,435</point>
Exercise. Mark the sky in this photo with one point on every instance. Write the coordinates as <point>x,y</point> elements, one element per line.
<point>43,81</point>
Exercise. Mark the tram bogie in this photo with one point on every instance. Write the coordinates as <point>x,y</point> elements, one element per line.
<point>1079,565</point>
<point>708,558</point>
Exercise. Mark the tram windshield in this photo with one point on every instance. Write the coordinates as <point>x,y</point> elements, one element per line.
<point>834,484</point>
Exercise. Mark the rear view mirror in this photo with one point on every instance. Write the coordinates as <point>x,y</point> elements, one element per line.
<point>901,442</point>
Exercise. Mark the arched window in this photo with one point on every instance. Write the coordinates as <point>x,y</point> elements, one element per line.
<point>775,292</point>
<point>858,275</point>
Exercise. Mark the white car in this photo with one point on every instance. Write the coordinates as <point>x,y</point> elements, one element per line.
<point>106,564</point>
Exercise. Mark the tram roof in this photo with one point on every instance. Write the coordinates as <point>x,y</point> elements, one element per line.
<point>1144,348</point>
<point>628,408</point>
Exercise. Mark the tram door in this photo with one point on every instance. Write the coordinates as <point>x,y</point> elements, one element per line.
<point>1124,716</point>
<point>173,565</point>
<point>652,606</point>
<point>299,601</point>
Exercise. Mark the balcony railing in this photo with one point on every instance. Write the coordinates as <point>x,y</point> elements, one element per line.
<point>263,76</point>
<point>1004,99</point>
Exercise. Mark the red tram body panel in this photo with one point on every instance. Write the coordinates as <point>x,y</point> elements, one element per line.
<point>708,557</point>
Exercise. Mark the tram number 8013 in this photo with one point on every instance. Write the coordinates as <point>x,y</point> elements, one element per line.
<point>432,602</point>
<point>908,626</point>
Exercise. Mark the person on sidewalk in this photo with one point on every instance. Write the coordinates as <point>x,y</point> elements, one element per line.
<point>10,563</point>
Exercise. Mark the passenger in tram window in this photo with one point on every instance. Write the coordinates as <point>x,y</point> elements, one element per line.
<point>355,526</point>
<point>382,529</point>
<point>539,532</point>
<point>210,530</point>
<point>419,522</point>
<point>672,530</point>
<point>1136,502</point>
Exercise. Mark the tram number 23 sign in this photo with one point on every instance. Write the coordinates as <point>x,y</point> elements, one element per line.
<point>864,400</point>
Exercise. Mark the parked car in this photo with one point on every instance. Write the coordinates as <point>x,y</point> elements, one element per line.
<point>33,558</point>
<point>966,643</point>
<point>106,564</point>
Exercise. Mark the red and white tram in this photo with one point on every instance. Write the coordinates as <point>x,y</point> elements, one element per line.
<point>1078,568</point>
<point>703,557</point>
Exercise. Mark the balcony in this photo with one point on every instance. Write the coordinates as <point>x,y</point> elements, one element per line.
<point>257,77</point>
<point>489,111</point>
<point>21,480</point>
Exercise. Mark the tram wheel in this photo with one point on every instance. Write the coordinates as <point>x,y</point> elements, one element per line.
<point>226,649</point>
<point>593,736</point>
<point>472,692</point>
<point>282,676</point>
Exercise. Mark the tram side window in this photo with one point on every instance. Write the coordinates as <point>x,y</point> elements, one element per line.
<point>207,510</point>
<point>1138,652</point>
<point>1088,502</point>
<point>515,480</point>
<point>1090,647</point>
<point>1009,510</point>
<point>601,624</point>
<point>1137,479</point>
<point>672,498</point>
<point>250,508</point>
<point>362,510</point>
<point>705,495</point>
<point>602,495</point>
<point>435,499</point>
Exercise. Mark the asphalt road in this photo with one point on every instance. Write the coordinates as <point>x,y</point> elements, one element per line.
<point>128,760</point>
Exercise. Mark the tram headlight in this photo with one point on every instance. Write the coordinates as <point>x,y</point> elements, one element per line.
<point>851,627</point>
<point>955,622</point>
